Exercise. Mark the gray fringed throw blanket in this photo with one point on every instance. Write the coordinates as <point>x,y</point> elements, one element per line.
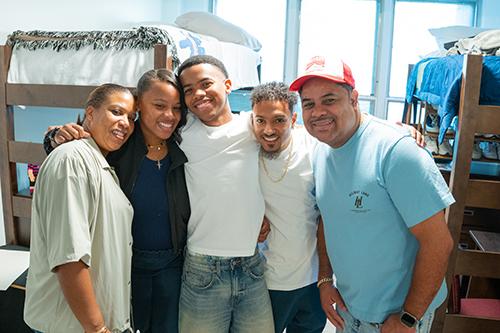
<point>138,38</point>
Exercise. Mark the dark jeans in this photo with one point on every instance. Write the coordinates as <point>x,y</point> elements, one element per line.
<point>156,282</point>
<point>299,310</point>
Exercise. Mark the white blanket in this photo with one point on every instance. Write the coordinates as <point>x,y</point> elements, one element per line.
<point>93,67</point>
<point>485,43</point>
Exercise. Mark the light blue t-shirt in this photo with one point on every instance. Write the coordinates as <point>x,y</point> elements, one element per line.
<point>370,192</point>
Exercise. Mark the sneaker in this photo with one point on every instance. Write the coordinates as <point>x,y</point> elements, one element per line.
<point>450,131</point>
<point>490,150</point>
<point>432,123</point>
<point>476,151</point>
<point>445,148</point>
<point>431,145</point>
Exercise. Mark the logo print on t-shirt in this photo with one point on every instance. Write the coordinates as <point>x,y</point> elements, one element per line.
<point>359,201</point>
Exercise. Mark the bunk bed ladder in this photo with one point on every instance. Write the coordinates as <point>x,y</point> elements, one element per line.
<point>473,118</point>
<point>7,170</point>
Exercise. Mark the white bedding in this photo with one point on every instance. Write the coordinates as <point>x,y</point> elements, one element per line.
<point>92,67</point>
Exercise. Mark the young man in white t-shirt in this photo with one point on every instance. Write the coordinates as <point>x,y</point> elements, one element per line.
<point>223,287</point>
<point>287,183</point>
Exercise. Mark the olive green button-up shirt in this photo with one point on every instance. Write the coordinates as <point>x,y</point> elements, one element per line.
<point>78,213</point>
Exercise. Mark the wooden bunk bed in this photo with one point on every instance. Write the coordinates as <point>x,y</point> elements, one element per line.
<point>34,72</point>
<point>470,192</point>
<point>17,206</point>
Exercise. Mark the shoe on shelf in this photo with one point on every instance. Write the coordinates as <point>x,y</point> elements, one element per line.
<point>431,145</point>
<point>432,123</point>
<point>489,150</point>
<point>476,151</point>
<point>489,136</point>
<point>445,148</point>
<point>450,131</point>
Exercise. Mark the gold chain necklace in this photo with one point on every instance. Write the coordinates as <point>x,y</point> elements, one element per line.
<point>285,167</point>
<point>156,147</point>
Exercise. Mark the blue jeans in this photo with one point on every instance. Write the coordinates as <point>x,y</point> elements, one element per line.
<point>353,325</point>
<point>224,295</point>
<point>156,283</point>
<point>299,310</point>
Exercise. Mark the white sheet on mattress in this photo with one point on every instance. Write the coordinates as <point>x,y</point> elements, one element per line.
<point>92,67</point>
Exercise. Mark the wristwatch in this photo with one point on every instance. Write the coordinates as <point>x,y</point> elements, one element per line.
<point>49,139</point>
<point>408,319</point>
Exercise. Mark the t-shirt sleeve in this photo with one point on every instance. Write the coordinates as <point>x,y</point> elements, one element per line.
<point>68,212</point>
<point>414,182</point>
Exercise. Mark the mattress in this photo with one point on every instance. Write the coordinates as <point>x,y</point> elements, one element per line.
<point>93,58</point>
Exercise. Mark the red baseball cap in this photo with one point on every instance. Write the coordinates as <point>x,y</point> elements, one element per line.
<point>324,67</point>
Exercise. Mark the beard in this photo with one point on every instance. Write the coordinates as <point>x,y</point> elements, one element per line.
<point>270,155</point>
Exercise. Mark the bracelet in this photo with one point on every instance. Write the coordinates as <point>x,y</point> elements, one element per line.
<point>104,329</point>
<point>324,280</point>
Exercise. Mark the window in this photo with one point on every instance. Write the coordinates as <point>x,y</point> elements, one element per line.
<point>345,29</point>
<point>412,40</point>
<point>377,38</point>
<point>265,20</point>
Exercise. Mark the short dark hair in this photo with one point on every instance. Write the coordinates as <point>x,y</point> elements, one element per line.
<point>166,76</point>
<point>202,59</point>
<point>274,91</point>
<point>102,92</point>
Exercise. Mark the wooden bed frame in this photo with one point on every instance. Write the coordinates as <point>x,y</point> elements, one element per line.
<point>17,206</point>
<point>473,118</point>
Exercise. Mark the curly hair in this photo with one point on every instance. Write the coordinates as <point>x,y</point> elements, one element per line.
<point>274,91</point>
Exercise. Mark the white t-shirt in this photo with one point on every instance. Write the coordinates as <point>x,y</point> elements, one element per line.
<point>290,249</point>
<point>222,175</point>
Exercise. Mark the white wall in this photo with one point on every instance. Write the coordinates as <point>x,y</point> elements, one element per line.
<point>70,15</point>
<point>173,8</point>
<point>490,14</point>
<point>2,230</point>
<point>76,14</point>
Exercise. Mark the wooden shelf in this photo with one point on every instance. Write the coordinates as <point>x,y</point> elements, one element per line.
<point>452,136</point>
<point>487,160</point>
<point>483,139</point>
<point>442,157</point>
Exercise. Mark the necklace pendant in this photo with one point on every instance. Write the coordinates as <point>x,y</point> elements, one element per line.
<point>158,164</point>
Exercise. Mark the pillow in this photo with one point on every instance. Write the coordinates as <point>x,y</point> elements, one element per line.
<point>447,36</point>
<point>212,25</point>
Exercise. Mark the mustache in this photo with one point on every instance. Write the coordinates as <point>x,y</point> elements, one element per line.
<point>321,118</point>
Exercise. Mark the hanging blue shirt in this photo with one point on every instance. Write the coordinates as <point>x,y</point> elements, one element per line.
<point>370,192</point>
<point>151,223</point>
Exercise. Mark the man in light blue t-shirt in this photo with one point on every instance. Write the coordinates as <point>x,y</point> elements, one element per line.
<point>382,200</point>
